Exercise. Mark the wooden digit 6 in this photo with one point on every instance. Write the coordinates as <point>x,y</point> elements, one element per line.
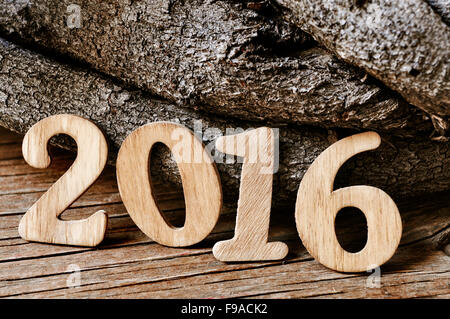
<point>41,223</point>
<point>201,184</point>
<point>317,206</point>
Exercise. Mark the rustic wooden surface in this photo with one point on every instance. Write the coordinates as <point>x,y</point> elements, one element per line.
<point>129,265</point>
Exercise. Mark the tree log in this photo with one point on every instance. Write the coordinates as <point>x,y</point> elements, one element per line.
<point>33,87</point>
<point>441,7</point>
<point>404,43</point>
<point>233,58</point>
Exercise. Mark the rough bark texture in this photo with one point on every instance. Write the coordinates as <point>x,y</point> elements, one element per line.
<point>441,7</point>
<point>33,87</point>
<point>404,43</point>
<point>226,57</point>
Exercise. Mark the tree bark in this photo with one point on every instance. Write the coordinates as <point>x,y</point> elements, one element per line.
<point>441,7</point>
<point>233,58</point>
<point>404,43</point>
<point>33,87</point>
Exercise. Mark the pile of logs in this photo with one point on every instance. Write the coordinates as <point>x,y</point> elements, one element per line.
<point>317,70</point>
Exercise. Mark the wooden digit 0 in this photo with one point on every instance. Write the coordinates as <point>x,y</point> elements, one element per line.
<point>250,241</point>
<point>317,206</point>
<point>201,184</point>
<point>40,223</point>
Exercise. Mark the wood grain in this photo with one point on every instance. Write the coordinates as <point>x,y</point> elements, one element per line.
<point>317,206</point>
<point>201,184</point>
<point>127,264</point>
<point>250,241</point>
<point>41,222</point>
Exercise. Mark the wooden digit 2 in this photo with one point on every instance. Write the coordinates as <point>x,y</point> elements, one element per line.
<point>41,223</point>
<point>317,206</point>
<point>250,241</point>
<point>201,184</point>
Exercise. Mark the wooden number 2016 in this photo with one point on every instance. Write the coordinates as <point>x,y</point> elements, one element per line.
<point>316,207</point>
<point>40,222</point>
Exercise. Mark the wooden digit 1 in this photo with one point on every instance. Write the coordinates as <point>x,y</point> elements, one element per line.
<point>201,184</point>
<point>250,241</point>
<point>317,206</point>
<point>41,223</point>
